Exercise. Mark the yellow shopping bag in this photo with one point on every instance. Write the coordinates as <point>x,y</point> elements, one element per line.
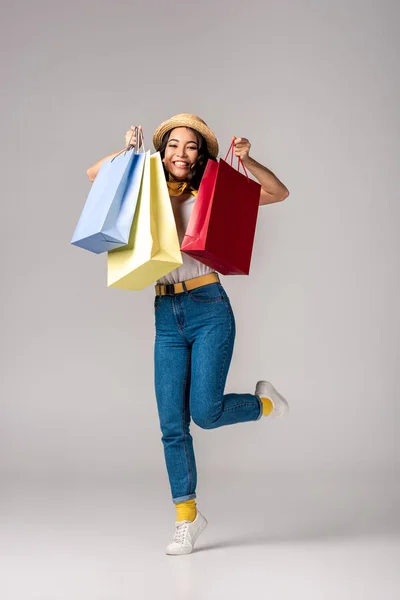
<point>153,249</point>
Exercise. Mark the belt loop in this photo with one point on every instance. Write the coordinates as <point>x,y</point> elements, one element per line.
<point>184,287</point>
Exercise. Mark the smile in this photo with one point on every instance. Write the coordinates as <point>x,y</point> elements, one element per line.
<point>180,164</point>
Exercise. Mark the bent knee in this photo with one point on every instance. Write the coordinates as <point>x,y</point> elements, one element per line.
<point>204,419</point>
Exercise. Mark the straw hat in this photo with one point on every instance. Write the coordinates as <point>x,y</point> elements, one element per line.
<point>187,120</point>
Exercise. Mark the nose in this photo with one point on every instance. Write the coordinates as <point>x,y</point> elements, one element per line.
<point>181,151</point>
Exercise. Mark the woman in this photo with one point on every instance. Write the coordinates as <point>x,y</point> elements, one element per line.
<point>195,325</point>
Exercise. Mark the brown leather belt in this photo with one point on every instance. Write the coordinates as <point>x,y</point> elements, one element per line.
<point>170,289</point>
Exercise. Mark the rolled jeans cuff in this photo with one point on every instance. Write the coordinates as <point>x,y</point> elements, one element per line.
<point>261,408</point>
<point>184,498</point>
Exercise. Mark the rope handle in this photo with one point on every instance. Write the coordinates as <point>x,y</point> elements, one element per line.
<point>240,162</point>
<point>130,146</point>
<point>137,147</point>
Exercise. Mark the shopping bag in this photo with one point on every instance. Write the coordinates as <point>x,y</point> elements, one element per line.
<point>106,219</point>
<point>222,225</point>
<point>153,249</point>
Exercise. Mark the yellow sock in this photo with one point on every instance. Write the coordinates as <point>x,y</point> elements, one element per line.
<point>186,511</point>
<point>268,407</point>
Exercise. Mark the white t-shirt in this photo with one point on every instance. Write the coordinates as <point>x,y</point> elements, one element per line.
<point>190,267</point>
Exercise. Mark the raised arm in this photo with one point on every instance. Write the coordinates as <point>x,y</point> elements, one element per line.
<point>272,189</point>
<point>130,140</point>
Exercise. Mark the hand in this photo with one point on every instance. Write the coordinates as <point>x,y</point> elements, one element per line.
<point>242,148</point>
<point>130,137</point>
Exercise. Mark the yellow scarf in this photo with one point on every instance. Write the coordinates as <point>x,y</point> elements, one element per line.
<point>177,188</point>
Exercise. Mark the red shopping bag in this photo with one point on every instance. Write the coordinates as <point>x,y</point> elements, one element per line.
<point>222,225</point>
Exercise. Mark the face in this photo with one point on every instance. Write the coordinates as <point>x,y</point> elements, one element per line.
<point>181,152</point>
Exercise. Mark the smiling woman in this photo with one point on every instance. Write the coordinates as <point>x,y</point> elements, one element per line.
<point>195,324</point>
<point>184,154</point>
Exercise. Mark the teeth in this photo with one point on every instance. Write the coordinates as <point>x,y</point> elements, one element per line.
<point>181,164</point>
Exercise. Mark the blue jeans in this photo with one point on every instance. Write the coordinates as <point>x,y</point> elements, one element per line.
<point>195,333</point>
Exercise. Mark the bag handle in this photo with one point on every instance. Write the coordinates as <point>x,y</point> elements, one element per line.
<point>129,146</point>
<point>137,147</point>
<point>240,162</point>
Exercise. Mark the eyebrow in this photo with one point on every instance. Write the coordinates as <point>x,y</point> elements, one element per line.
<point>173,140</point>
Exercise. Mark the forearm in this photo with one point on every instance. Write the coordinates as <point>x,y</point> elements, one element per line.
<point>92,171</point>
<point>272,189</point>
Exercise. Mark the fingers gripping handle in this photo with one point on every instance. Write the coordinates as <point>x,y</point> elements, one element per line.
<point>137,146</point>
<point>139,140</point>
<point>240,162</point>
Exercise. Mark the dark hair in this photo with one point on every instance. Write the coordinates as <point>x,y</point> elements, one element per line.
<point>199,167</point>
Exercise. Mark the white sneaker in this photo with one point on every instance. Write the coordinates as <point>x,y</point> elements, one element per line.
<point>264,389</point>
<point>186,534</point>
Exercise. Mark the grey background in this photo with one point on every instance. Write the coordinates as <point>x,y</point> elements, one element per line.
<point>314,86</point>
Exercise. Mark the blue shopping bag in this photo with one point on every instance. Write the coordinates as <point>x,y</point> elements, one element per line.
<point>107,216</point>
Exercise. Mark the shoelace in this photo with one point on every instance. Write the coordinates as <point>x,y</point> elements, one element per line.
<point>180,532</point>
